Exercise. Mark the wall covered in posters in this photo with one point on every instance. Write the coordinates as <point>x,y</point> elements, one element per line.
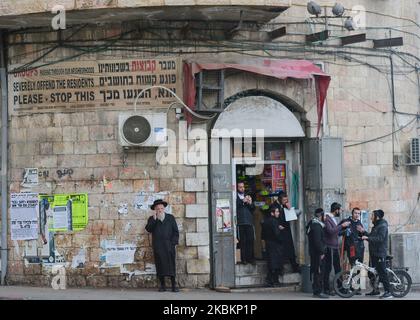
<point>70,86</point>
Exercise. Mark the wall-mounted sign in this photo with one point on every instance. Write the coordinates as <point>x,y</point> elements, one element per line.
<point>66,212</point>
<point>81,85</point>
<point>223,215</point>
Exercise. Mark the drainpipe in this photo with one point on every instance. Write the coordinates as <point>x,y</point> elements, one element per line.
<point>4,195</point>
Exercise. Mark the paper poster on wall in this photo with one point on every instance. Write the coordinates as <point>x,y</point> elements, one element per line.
<point>66,212</point>
<point>117,254</point>
<point>30,177</point>
<point>223,216</point>
<point>24,216</point>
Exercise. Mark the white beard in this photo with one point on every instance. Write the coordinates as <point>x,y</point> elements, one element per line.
<point>161,217</point>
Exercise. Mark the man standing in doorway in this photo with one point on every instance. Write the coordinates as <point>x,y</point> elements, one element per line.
<point>165,237</point>
<point>245,221</point>
<point>286,233</point>
<point>332,257</point>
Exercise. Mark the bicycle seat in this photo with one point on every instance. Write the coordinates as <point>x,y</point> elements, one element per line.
<point>389,258</point>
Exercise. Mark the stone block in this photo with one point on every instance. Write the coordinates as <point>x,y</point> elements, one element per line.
<point>201,197</point>
<point>194,184</point>
<point>97,160</point>
<point>85,147</point>
<point>61,119</point>
<point>46,148</point>
<point>77,119</point>
<point>119,186</point>
<point>196,211</point>
<point>186,253</point>
<point>202,225</point>
<point>100,227</point>
<point>70,134</point>
<point>110,146</point>
<point>45,161</point>
<point>54,134</point>
<point>70,161</point>
<point>199,266</point>
<point>202,172</point>
<point>82,134</point>
<point>371,171</point>
<point>180,171</point>
<point>197,239</point>
<point>171,185</point>
<point>203,252</point>
<point>146,185</point>
<point>110,173</point>
<point>63,148</point>
<point>101,133</point>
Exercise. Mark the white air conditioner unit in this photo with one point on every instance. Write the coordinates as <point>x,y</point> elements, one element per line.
<point>414,152</point>
<point>142,130</point>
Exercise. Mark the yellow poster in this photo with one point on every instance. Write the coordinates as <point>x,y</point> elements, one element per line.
<point>66,212</point>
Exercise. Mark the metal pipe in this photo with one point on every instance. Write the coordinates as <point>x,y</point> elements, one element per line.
<point>394,166</point>
<point>4,138</point>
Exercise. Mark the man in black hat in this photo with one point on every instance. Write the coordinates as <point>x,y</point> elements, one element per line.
<point>315,233</point>
<point>378,250</point>
<point>165,237</point>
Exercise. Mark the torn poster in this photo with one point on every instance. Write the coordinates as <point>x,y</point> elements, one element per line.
<point>24,216</point>
<point>145,199</point>
<point>30,177</point>
<point>117,254</point>
<point>79,260</point>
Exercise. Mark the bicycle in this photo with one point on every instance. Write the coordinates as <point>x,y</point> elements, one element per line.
<point>346,283</point>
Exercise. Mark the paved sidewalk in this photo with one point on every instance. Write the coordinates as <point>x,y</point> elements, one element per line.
<point>42,293</point>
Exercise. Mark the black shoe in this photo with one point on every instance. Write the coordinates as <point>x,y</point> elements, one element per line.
<point>162,289</point>
<point>320,295</point>
<point>277,284</point>
<point>357,293</point>
<point>296,269</point>
<point>330,293</point>
<point>373,293</point>
<point>386,295</point>
<point>175,289</point>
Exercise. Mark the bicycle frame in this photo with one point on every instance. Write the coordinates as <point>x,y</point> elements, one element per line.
<point>360,265</point>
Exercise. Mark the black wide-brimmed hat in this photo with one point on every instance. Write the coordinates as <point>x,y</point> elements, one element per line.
<point>159,201</point>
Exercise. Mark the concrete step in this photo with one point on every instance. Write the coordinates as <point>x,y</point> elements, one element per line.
<point>243,270</point>
<point>259,280</point>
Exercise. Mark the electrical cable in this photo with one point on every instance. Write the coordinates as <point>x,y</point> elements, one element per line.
<point>381,137</point>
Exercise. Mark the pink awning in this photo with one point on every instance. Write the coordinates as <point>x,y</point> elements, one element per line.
<point>280,69</point>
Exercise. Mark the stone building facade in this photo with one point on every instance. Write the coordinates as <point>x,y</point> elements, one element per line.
<point>359,108</point>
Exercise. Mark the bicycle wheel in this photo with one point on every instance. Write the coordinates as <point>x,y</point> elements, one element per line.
<point>342,285</point>
<point>400,290</point>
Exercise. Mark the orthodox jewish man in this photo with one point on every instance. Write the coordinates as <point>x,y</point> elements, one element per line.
<point>165,237</point>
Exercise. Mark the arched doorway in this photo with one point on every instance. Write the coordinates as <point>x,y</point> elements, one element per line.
<point>256,139</point>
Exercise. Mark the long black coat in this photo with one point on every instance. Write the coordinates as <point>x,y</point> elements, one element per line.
<point>244,212</point>
<point>165,236</point>
<point>270,233</point>
<point>286,234</point>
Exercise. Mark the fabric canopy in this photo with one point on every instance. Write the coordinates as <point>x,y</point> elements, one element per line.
<point>280,69</point>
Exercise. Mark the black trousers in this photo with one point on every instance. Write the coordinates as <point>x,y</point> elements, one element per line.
<point>332,257</point>
<point>380,265</point>
<point>316,274</point>
<point>246,242</point>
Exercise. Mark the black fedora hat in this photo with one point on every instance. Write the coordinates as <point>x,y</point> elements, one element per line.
<point>158,201</point>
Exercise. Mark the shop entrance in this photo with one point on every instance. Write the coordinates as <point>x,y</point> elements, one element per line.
<point>263,180</point>
<point>266,166</point>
